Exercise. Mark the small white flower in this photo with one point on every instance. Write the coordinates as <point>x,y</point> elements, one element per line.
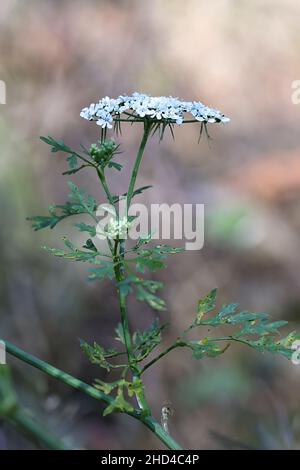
<point>117,228</point>
<point>104,119</point>
<point>158,108</point>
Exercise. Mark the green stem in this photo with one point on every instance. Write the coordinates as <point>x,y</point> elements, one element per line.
<point>140,395</point>
<point>177,344</point>
<point>56,373</point>
<point>68,379</point>
<point>160,433</point>
<point>118,268</point>
<point>147,130</point>
<point>105,187</point>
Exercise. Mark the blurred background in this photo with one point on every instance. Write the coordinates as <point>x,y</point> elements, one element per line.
<point>238,56</point>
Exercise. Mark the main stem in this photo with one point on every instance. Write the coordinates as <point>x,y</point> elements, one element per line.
<point>77,384</point>
<point>120,276</point>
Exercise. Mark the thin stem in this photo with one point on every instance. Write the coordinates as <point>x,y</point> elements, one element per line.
<point>124,316</point>
<point>56,373</point>
<point>89,162</point>
<point>68,379</point>
<point>177,344</point>
<point>120,276</point>
<point>105,187</point>
<point>182,344</point>
<point>147,130</point>
<point>119,269</point>
<point>160,433</point>
<point>109,196</point>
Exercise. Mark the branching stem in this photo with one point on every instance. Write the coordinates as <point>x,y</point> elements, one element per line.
<point>77,384</point>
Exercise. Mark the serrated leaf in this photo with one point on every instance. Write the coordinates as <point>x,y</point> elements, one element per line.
<point>42,221</point>
<point>270,343</point>
<point>72,161</point>
<point>76,255</point>
<point>205,348</point>
<point>80,203</point>
<point>144,342</point>
<point>135,388</point>
<point>152,300</point>
<point>104,271</point>
<point>227,310</point>
<point>119,405</point>
<point>83,227</point>
<point>80,197</point>
<point>120,333</point>
<point>152,258</point>
<point>262,327</point>
<point>249,325</point>
<point>115,165</point>
<point>57,145</point>
<point>96,354</point>
<point>105,387</point>
<point>145,291</point>
<point>147,262</point>
<point>89,245</point>
<point>206,304</point>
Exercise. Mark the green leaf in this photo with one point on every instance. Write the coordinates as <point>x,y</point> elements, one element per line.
<point>253,329</point>
<point>89,245</point>
<point>152,300</point>
<point>205,348</point>
<point>206,304</point>
<point>115,165</point>
<point>153,258</point>
<point>106,270</point>
<point>144,342</point>
<point>151,286</point>
<point>119,405</point>
<point>227,310</point>
<point>96,354</point>
<point>120,334</point>
<point>143,241</point>
<point>72,161</point>
<point>80,203</point>
<point>147,262</point>
<point>80,198</point>
<point>74,254</point>
<point>135,388</point>
<point>57,145</point>
<point>39,221</point>
<point>145,291</point>
<point>107,388</point>
<point>83,227</point>
<point>270,343</point>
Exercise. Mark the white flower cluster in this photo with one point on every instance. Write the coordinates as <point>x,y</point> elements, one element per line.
<point>117,228</point>
<point>159,108</point>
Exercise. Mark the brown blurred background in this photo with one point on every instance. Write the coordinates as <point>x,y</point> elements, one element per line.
<point>238,56</point>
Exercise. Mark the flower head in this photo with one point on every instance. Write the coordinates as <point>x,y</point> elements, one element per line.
<point>139,106</point>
